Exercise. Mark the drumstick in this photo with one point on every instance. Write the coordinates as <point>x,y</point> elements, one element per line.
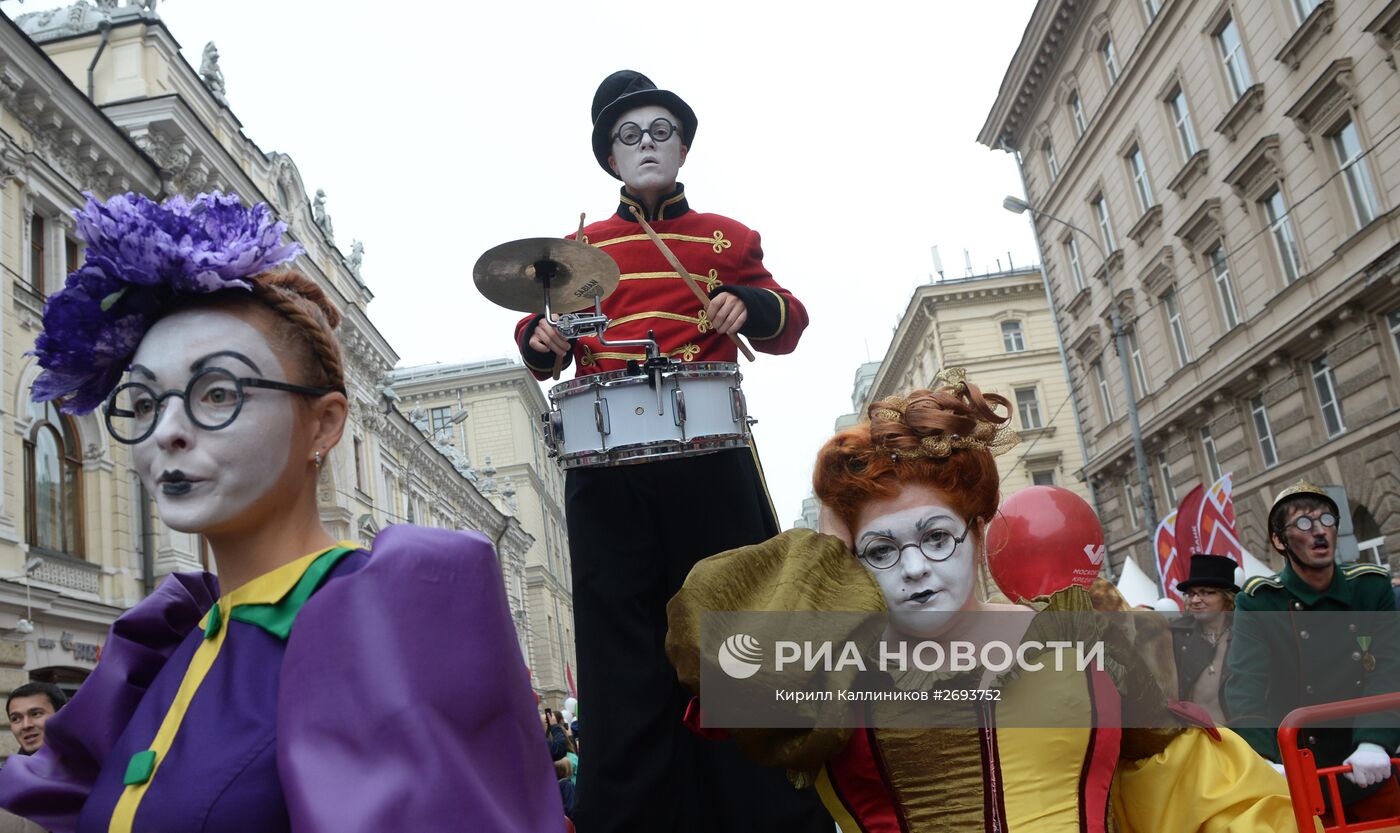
<point>559,357</point>
<point>680,270</point>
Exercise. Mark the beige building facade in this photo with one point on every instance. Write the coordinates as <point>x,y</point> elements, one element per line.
<point>999,327</point>
<point>1237,160</point>
<point>79,542</point>
<point>486,417</point>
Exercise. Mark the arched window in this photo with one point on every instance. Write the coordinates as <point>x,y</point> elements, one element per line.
<point>53,492</point>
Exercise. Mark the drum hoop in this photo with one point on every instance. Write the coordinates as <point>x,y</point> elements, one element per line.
<point>646,452</point>
<point>619,378</point>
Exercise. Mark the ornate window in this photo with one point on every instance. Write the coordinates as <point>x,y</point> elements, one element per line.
<point>1303,8</point>
<point>1281,229</point>
<point>1351,160</point>
<point>1181,117</point>
<point>53,470</point>
<point>1393,322</point>
<point>1100,205</point>
<point>1177,327</point>
<point>1105,400</point>
<point>1076,111</point>
<point>1325,382</point>
<point>1076,269</point>
<point>1168,490</point>
<point>1044,477</point>
<point>1110,59</point>
<point>1135,355</point>
<point>1267,449</point>
<point>1208,449</point>
<point>1141,185</point>
<point>1011,337</point>
<point>1227,39</point>
<point>442,419</point>
<point>1224,290</point>
<point>1028,405</point>
<point>1050,161</point>
<point>37,232</point>
<point>1131,501</point>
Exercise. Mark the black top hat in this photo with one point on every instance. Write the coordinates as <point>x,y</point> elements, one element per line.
<point>622,91</point>
<point>1210,571</point>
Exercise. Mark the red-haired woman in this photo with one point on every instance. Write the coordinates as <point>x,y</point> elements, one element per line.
<point>906,498</point>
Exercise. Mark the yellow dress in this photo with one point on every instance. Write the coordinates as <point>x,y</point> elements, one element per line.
<point>991,776</point>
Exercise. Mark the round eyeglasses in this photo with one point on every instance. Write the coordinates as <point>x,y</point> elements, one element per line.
<point>213,399</point>
<point>630,133</point>
<point>1305,523</point>
<point>883,553</point>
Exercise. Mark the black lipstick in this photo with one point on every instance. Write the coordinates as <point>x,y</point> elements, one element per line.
<point>175,483</point>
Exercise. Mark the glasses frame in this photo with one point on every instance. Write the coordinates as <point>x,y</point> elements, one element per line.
<point>1298,522</point>
<point>646,131</point>
<point>919,545</point>
<point>110,410</point>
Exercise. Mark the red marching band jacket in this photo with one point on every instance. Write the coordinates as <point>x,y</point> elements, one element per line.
<point>721,254</point>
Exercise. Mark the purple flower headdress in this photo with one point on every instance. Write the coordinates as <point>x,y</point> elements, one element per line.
<point>141,255</point>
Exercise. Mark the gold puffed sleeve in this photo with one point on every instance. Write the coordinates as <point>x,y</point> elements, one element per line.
<point>1201,785</point>
<point>797,571</point>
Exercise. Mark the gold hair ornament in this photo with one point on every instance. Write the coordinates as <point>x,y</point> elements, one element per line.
<point>996,439</point>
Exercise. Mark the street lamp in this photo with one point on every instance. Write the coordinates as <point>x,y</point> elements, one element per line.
<point>1120,346</point>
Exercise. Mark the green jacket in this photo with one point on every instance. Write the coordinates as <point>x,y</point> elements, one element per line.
<point>1294,646</point>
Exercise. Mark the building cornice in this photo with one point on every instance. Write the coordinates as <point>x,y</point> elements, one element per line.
<point>1051,28</point>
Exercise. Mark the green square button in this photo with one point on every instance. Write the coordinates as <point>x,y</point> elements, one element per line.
<point>140,769</point>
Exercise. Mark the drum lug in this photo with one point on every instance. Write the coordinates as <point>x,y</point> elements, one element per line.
<point>678,410</point>
<point>601,418</point>
<point>738,405</point>
<point>553,426</point>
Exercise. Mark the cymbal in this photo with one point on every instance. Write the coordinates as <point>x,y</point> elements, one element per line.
<point>516,275</point>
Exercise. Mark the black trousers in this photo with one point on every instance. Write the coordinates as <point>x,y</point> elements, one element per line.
<point>634,533</point>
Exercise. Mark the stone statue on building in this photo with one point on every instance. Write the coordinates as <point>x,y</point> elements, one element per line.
<point>357,257</point>
<point>211,74</point>
<point>419,418</point>
<point>318,213</point>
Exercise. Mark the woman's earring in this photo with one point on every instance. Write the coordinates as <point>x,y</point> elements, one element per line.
<point>317,458</point>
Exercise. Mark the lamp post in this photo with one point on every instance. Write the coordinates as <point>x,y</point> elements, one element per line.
<point>1120,346</point>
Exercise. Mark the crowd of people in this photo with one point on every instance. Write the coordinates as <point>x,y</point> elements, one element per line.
<point>237,702</point>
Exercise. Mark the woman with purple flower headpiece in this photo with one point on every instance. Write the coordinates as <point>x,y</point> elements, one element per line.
<point>294,692</point>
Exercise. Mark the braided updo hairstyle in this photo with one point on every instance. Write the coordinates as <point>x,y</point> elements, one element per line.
<point>298,320</point>
<point>875,460</point>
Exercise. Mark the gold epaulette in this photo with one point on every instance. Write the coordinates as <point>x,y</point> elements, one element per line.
<point>1256,582</point>
<point>1351,571</point>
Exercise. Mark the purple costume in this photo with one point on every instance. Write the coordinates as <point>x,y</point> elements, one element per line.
<point>397,700</point>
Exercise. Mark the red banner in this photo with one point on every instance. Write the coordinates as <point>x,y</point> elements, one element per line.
<point>569,675</point>
<point>1188,518</point>
<point>1170,566</point>
<point>1216,523</point>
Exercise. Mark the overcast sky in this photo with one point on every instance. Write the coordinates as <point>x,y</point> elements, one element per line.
<point>844,133</point>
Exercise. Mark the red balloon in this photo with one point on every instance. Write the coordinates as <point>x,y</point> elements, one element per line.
<point>1044,539</point>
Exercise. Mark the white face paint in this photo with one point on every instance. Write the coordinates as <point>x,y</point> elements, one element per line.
<point>204,479</point>
<point>648,168</point>
<point>923,596</point>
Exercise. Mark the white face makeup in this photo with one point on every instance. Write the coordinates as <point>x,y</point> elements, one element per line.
<point>203,479</point>
<point>923,596</point>
<point>648,168</point>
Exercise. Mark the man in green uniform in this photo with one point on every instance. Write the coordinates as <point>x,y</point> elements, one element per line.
<point>1318,632</point>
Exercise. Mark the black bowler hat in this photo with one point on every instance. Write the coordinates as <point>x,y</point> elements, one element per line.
<point>1210,571</point>
<point>622,91</point>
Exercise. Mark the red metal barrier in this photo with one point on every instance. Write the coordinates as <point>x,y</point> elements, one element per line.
<point>1301,769</point>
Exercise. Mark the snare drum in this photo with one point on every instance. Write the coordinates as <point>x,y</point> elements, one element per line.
<point>609,419</point>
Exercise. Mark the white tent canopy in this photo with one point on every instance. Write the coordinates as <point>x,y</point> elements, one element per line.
<point>1135,585</point>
